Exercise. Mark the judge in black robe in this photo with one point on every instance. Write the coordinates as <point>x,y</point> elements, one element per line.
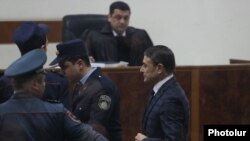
<point>117,41</point>
<point>105,47</point>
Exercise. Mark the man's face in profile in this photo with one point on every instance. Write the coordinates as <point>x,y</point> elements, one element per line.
<point>149,70</point>
<point>119,20</point>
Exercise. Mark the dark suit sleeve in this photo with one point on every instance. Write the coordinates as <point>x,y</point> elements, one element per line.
<point>172,119</point>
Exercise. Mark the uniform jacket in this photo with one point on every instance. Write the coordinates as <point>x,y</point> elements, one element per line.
<point>98,103</point>
<point>167,116</point>
<point>26,118</point>
<point>103,46</point>
<point>56,89</point>
<point>6,88</point>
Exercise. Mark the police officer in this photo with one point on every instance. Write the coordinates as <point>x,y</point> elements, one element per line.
<point>95,99</point>
<point>29,36</point>
<point>25,117</point>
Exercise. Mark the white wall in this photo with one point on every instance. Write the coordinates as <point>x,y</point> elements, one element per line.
<point>200,32</point>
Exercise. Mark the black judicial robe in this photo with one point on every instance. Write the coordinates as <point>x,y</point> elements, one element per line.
<point>104,47</point>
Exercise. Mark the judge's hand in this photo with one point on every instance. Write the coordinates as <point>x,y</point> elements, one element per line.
<point>140,137</point>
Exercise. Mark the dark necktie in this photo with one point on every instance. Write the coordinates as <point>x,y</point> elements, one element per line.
<point>151,96</point>
<point>76,93</point>
<point>120,39</point>
<point>122,49</point>
<point>77,88</point>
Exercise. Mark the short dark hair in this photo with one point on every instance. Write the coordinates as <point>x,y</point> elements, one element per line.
<point>34,43</point>
<point>19,82</point>
<point>161,54</point>
<point>118,5</point>
<point>73,60</point>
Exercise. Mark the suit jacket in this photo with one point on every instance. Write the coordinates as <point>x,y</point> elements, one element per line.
<point>104,47</point>
<point>167,116</point>
<point>98,103</point>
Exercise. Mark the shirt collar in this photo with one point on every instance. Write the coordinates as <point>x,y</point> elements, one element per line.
<point>160,83</point>
<point>115,34</point>
<point>85,77</point>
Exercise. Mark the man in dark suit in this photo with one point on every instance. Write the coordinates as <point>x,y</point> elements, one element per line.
<point>117,41</point>
<point>29,36</point>
<point>25,117</point>
<point>167,113</point>
<point>95,98</point>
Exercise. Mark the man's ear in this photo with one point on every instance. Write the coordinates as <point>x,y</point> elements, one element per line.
<point>160,68</point>
<point>44,47</point>
<point>80,63</point>
<point>109,17</point>
<point>35,84</point>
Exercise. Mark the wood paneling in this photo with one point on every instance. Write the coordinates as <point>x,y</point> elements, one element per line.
<point>224,98</point>
<point>7,28</point>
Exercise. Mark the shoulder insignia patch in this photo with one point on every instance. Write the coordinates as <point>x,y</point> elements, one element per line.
<point>72,117</point>
<point>104,102</point>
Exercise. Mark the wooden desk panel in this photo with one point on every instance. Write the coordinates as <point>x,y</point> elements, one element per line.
<point>224,96</point>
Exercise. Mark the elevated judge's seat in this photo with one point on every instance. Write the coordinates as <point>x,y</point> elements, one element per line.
<point>76,26</point>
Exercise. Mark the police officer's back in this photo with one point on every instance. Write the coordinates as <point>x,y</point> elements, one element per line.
<point>24,117</point>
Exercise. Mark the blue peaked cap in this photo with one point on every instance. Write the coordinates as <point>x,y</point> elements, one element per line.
<point>30,35</point>
<point>69,49</point>
<point>30,63</point>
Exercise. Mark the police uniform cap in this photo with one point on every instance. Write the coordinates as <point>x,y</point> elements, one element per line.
<point>68,49</point>
<point>30,35</point>
<point>30,63</point>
